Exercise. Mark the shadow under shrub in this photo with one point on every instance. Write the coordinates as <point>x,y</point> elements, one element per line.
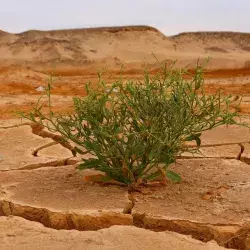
<point>135,129</point>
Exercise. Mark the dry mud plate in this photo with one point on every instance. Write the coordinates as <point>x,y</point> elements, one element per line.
<point>212,202</point>
<point>18,143</point>
<point>44,199</point>
<point>17,233</point>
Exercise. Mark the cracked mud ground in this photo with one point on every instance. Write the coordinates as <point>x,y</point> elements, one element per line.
<point>45,204</point>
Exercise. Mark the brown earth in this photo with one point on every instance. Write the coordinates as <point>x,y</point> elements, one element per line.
<point>40,189</point>
<point>27,235</point>
<point>76,55</point>
<point>75,50</point>
<point>211,203</point>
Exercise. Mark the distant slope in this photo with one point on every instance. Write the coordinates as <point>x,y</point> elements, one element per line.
<point>113,46</point>
<point>224,42</point>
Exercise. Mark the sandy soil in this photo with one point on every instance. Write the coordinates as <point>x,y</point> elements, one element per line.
<point>17,233</point>
<point>79,49</point>
<point>76,56</point>
<point>43,192</point>
<point>211,203</point>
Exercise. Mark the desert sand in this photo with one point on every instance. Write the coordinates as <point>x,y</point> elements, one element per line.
<point>44,202</point>
<point>75,56</point>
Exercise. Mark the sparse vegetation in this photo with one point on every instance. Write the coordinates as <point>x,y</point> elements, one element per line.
<point>134,130</point>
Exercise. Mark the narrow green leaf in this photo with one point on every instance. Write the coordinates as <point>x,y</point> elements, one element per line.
<point>195,137</point>
<point>90,163</point>
<point>172,176</point>
<point>169,161</point>
<point>197,84</point>
<point>198,141</point>
<point>139,148</point>
<point>102,133</point>
<point>91,145</point>
<point>79,151</point>
<point>153,176</point>
<point>152,154</point>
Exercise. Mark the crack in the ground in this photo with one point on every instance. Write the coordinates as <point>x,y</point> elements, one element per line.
<point>226,235</point>
<point>68,220</point>
<point>39,130</point>
<point>56,163</point>
<point>58,139</point>
<point>35,152</point>
<point>242,159</point>
<point>240,144</point>
<point>128,208</point>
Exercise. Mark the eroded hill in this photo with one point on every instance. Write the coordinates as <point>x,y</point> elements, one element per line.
<point>113,46</point>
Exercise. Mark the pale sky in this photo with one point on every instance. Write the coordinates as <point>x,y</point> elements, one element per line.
<point>169,16</point>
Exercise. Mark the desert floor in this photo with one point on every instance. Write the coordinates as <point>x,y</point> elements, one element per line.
<point>44,201</point>
<point>44,193</point>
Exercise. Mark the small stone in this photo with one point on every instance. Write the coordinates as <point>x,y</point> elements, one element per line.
<point>40,89</point>
<point>160,197</point>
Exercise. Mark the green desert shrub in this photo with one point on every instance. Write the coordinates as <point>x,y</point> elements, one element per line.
<point>135,129</point>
